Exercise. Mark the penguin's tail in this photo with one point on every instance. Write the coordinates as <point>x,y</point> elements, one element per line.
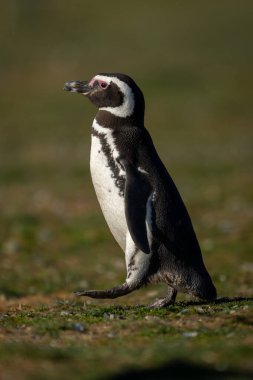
<point>204,288</point>
<point>115,292</point>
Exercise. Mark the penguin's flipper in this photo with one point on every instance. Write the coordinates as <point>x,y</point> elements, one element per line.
<point>137,193</point>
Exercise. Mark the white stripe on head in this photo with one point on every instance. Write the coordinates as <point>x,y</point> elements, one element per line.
<point>127,107</point>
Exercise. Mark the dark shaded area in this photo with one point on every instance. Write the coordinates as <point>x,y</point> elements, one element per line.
<point>218,301</point>
<point>179,370</point>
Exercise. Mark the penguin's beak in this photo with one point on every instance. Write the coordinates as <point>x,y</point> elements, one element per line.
<point>82,87</point>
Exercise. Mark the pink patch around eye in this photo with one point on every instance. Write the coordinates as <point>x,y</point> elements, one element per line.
<point>102,84</point>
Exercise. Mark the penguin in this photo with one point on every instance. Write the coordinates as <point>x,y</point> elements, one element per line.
<point>140,202</point>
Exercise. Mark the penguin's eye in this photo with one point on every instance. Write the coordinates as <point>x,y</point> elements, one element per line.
<point>103,84</point>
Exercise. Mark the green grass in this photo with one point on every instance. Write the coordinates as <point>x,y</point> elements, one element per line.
<point>82,335</point>
<point>194,63</point>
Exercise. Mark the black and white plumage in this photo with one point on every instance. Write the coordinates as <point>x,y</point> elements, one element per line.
<point>139,200</point>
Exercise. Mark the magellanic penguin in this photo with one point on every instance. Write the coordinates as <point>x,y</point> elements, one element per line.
<point>139,200</point>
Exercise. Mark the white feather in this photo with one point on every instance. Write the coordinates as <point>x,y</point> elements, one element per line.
<point>111,203</point>
<point>142,170</point>
<point>140,262</point>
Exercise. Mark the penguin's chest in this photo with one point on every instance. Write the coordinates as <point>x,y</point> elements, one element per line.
<point>108,180</point>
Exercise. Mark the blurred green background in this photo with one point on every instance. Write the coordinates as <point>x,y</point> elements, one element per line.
<point>193,61</point>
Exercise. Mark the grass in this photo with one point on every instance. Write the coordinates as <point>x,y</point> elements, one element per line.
<point>72,336</point>
<point>194,64</point>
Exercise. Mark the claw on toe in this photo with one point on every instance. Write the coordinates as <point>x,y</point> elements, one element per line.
<point>159,303</point>
<point>89,293</point>
<point>80,293</point>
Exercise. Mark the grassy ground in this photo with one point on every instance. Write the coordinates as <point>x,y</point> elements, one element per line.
<point>194,64</point>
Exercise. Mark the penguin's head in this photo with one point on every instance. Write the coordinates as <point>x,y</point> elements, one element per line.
<point>117,94</point>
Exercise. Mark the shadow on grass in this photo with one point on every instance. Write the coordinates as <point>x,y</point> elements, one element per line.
<point>180,370</point>
<point>218,301</point>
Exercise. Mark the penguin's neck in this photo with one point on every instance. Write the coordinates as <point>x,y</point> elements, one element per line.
<point>108,120</point>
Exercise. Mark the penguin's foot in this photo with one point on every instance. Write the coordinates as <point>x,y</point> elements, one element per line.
<point>168,300</point>
<point>159,303</point>
<point>115,292</point>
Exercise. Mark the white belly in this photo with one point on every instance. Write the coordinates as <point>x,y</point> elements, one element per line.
<point>111,203</point>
